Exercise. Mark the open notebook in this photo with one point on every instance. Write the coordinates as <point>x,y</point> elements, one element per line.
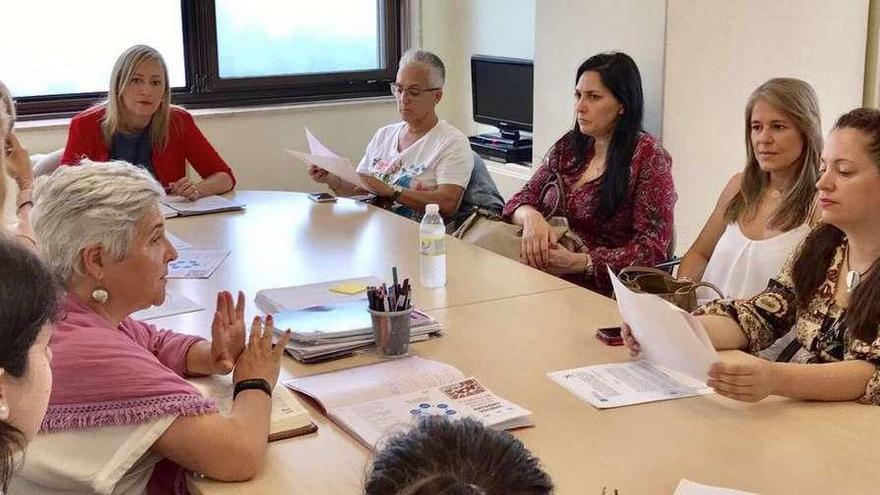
<point>178,206</point>
<point>375,401</point>
<point>289,417</point>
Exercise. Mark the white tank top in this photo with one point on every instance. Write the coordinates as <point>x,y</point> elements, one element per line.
<point>741,267</point>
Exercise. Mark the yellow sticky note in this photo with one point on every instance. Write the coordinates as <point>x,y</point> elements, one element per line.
<point>349,288</point>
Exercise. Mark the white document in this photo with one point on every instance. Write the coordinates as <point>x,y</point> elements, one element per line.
<point>321,156</point>
<point>623,384</point>
<point>208,204</point>
<point>687,487</point>
<point>174,304</point>
<point>196,263</point>
<point>669,336</point>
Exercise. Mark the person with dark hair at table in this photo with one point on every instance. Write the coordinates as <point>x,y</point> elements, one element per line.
<point>616,183</point>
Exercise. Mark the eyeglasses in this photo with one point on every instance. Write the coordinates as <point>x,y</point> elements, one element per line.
<point>397,90</point>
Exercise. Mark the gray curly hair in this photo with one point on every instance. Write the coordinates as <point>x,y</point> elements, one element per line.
<point>92,203</point>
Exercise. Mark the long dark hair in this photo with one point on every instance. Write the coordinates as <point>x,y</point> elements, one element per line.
<point>455,458</point>
<point>621,76</point>
<point>814,258</point>
<point>28,300</point>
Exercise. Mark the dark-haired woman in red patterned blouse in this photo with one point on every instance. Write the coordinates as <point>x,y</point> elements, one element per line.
<point>617,182</point>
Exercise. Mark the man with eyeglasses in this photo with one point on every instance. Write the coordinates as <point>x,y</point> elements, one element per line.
<point>420,160</point>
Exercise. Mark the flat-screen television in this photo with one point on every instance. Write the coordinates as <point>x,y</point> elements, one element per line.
<point>502,93</point>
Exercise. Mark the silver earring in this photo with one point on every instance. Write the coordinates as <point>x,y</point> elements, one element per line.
<point>100,296</point>
<point>4,411</point>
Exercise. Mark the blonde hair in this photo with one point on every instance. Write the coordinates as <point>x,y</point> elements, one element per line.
<point>8,105</point>
<point>797,100</point>
<point>123,69</point>
<point>96,203</point>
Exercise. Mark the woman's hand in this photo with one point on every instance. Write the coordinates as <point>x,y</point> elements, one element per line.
<point>376,186</point>
<point>184,187</point>
<point>261,359</point>
<point>18,162</point>
<point>629,341</point>
<point>749,380</point>
<point>537,239</point>
<point>561,261</point>
<point>227,333</point>
<point>318,174</point>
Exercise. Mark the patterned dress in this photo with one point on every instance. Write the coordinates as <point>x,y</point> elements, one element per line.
<point>820,328</point>
<point>639,232</point>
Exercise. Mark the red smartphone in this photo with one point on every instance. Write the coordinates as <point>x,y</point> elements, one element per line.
<point>610,335</point>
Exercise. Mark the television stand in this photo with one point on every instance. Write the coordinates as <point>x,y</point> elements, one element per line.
<point>502,147</point>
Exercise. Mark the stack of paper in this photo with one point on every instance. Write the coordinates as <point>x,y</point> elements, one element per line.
<point>330,319</point>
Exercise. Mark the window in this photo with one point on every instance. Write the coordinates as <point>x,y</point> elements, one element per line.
<point>219,52</point>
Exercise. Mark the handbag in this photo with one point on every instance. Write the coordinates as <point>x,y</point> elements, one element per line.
<point>489,230</point>
<point>682,293</point>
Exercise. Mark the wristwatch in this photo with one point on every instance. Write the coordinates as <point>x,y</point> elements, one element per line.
<point>397,192</point>
<point>252,384</point>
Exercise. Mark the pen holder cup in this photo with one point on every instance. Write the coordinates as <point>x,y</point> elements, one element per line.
<point>391,330</point>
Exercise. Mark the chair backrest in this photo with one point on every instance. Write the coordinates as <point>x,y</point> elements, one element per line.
<point>481,192</point>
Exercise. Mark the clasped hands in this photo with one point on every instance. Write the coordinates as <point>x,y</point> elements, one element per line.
<point>186,188</point>
<point>541,250</point>
<point>750,379</point>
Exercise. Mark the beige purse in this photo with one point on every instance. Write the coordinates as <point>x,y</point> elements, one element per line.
<point>489,231</point>
<point>682,293</point>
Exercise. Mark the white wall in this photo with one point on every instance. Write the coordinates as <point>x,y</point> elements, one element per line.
<point>718,51</point>
<point>252,141</point>
<point>568,32</point>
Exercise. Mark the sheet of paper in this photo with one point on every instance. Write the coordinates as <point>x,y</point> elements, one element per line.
<point>375,381</point>
<point>623,384</point>
<point>321,156</point>
<point>174,304</point>
<point>667,335</point>
<point>305,296</point>
<point>316,147</point>
<point>196,263</point>
<point>177,242</point>
<point>687,487</point>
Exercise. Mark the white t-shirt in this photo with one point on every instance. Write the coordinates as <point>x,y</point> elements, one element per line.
<point>442,156</point>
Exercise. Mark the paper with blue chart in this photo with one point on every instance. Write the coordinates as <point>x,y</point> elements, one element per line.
<point>374,401</point>
<point>196,262</point>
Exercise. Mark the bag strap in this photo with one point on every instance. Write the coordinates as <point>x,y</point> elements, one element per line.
<point>643,269</point>
<point>697,285</point>
<point>560,189</point>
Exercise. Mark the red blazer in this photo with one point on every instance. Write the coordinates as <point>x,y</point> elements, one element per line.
<point>185,143</point>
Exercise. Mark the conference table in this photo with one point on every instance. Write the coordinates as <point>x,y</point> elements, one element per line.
<point>509,325</point>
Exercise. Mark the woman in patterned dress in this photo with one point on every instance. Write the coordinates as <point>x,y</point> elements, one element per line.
<point>616,182</point>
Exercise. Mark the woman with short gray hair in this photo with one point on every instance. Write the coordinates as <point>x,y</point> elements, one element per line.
<point>420,160</point>
<point>119,396</point>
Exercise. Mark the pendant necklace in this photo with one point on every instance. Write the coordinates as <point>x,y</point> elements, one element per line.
<point>853,277</point>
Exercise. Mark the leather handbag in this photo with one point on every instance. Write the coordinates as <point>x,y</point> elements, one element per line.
<point>489,230</point>
<point>682,293</point>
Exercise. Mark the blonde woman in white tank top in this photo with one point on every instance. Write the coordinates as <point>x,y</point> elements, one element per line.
<point>766,210</point>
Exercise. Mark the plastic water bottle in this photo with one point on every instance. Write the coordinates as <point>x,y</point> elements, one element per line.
<point>432,246</point>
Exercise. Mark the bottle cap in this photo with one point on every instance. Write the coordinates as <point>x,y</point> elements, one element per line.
<point>432,209</point>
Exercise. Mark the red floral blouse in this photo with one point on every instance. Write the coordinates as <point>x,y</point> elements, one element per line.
<point>637,234</point>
